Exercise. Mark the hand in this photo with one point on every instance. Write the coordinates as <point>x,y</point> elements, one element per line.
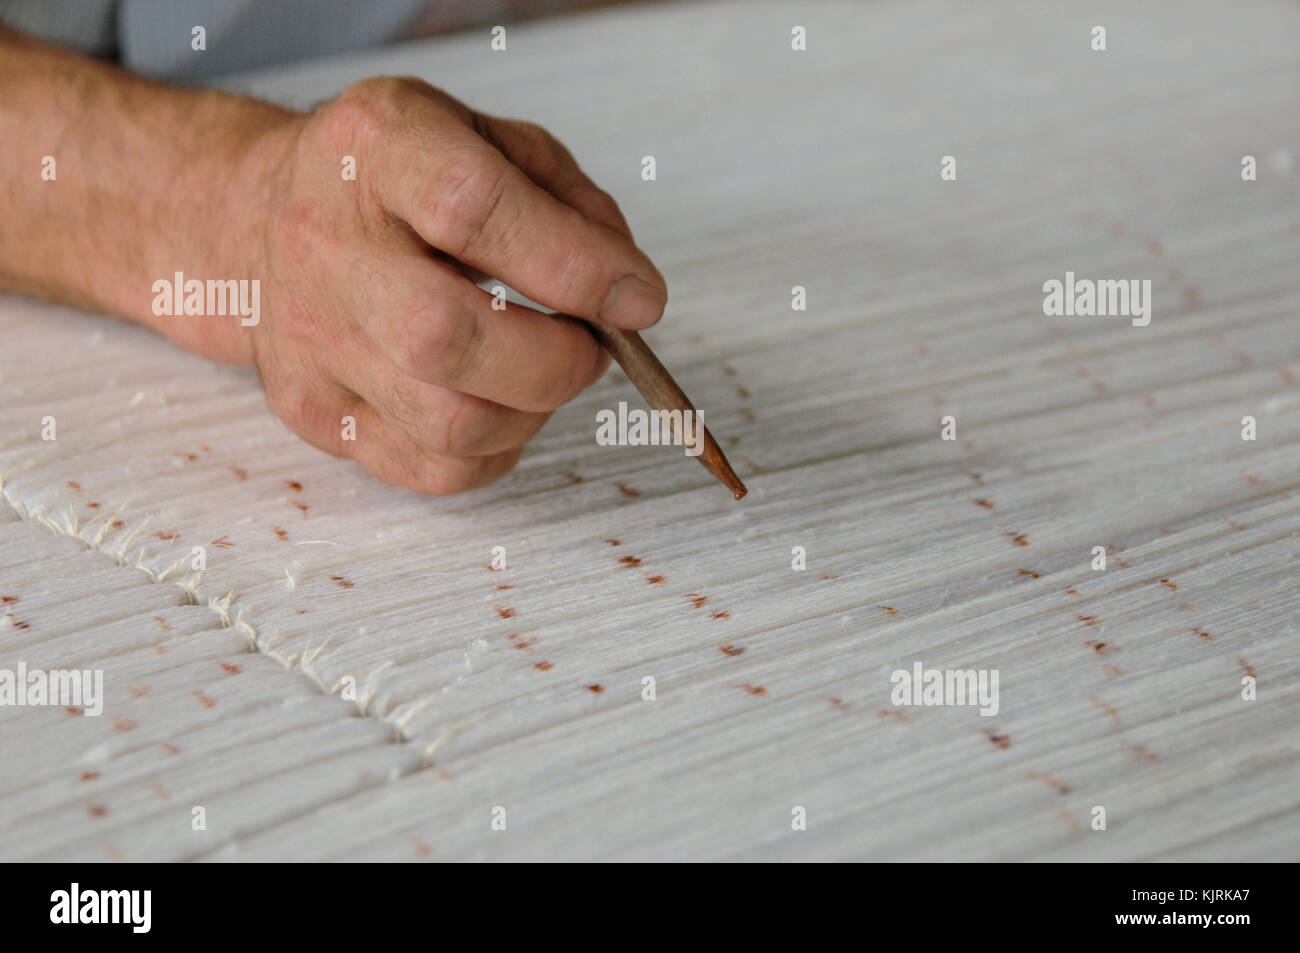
<point>369,307</point>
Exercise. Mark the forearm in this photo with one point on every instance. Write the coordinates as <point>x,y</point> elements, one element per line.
<point>145,181</point>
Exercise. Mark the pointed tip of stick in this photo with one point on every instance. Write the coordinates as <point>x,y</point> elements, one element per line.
<point>715,461</point>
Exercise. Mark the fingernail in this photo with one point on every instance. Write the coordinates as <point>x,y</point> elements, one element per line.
<point>632,304</point>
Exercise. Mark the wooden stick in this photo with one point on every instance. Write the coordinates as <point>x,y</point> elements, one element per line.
<point>662,394</point>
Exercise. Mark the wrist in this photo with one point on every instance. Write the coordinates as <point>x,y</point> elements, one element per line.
<point>209,255</point>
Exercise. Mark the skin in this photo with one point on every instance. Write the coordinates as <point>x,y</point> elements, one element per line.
<point>369,303</point>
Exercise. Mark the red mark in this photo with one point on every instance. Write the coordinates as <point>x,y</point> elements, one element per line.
<point>838,703</point>
<point>629,561</point>
<point>1203,634</point>
<point>117,524</point>
<point>1113,670</point>
<point>1020,539</point>
<point>522,643</point>
<point>728,370</point>
<point>978,478</point>
<point>505,612</point>
<point>732,650</point>
<point>1101,648</point>
<point>743,392</point>
<point>543,666</point>
<point>1192,299</point>
<point>231,668</point>
<point>1058,786</point>
<point>170,748</point>
<point>748,415</point>
<point>8,600</point>
<point>167,537</point>
<point>1142,753</point>
<point>723,614</point>
<point>421,848</point>
<point>890,609</point>
<point>89,775</point>
<point>138,693</point>
<point>1071,591</point>
<point>573,477</point>
<point>123,725</point>
<point>223,543</point>
<point>1170,584</point>
<point>1108,709</point>
<point>74,711</point>
<point>92,506</point>
<point>896,713</point>
<point>697,599</point>
<point>282,534</point>
<point>186,456</point>
<point>343,583</point>
<point>754,689</point>
<point>1086,619</point>
<point>97,810</point>
<point>239,472</point>
<point>1031,573</point>
<point>1154,247</point>
<point>19,625</point>
<point>293,485</point>
<point>1248,668</point>
<point>1002,741</point>
<point>614,542</point>
<point>75,486</point>
<point>204,700</point>
<point>830,577</point>
<point>627,490</point>
<point>1287,377</point>
<point>504,586</point>
<point>594,689</point>
<point>656,580</point>
<point>987,504</point>
<point>304,508</point>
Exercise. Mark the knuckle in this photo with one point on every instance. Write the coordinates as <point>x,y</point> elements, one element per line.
<point>369,108</point>
<point>443,477</point>
<point>298,406</point>
<point>463,432</point>
<point>467,200</point>
<point>438,345</point>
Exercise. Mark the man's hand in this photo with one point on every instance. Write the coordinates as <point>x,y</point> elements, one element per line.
<point>370,306</point>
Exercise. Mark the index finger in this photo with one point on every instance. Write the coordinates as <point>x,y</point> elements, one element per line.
<point>466,199</point>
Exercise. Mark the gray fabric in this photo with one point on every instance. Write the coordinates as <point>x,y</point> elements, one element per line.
<point>154,37</point>
<point>87,26</point>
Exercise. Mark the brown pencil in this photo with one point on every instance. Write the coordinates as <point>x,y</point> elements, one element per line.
<point>661,392</point>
